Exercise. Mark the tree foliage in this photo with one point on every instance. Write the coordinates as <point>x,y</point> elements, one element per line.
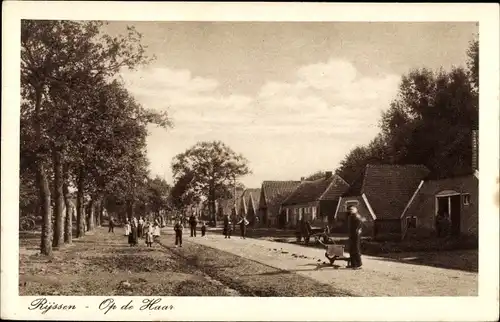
<point>79,126</point>
<point>208,170</point>
<point>430,122</point>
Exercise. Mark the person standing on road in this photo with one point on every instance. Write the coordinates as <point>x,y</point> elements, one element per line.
<point>178,227</point>
<point>156,232</point>
<point>149,234</point>
<point>127,227</point>
<point>227,227</point>
<point>203,229</point>
<point>192,224</point>
<point>111,224</point>
<point>355,230</point>
<point>140,227</point>
<point>243,226</point>
<point>132,237</point>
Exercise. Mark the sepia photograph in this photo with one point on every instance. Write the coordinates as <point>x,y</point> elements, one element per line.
<point>247,159</point>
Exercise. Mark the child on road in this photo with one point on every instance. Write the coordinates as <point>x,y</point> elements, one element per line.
<point>149,234</point>
<point>203,229</point>
<point>156,233</point>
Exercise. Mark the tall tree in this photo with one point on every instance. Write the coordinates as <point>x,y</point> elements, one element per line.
<point>214,167</point>
<point>59,57</point>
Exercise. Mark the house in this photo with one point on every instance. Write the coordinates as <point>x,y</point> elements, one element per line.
<point>230,206</point>
<point>458,196</point>
<point>315,201</point>
<point>272,194</point>
<point>381,194</point>
<point>249,203</point>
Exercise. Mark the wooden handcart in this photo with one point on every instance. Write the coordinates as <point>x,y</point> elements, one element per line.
<point>336,253</point>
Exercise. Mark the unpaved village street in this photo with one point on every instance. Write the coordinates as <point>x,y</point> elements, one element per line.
<point>379,276</point>
<point>103,264</point>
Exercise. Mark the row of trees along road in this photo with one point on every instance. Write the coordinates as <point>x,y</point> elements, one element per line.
<point>80,127</point>
<point>208,171</point>
<point>430,122</point>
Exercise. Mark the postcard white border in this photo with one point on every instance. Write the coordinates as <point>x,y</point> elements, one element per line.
<point>481,308</point>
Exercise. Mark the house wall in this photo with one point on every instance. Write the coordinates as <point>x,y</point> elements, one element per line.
<point>327,210</point>
<point>387,226</point>
<point>424,205</point>
<point>294,213</point>
<point>340,222</point>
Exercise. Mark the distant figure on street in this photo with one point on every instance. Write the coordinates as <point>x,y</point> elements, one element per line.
<point>127,227</point>
<point>111,224</point>
<point>203,229</point>
<point>149,234</point>
<point>192,224</point>
<point>178,227</point>
<point>156,232</point>
<point>140,227</point>
<point>243,226</point>
<point>132,237</point>
<point>355,229</point>
<point>227,227</point>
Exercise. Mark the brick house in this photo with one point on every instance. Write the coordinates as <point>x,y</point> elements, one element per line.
<point>272,194</point>
<point>458,196</point>
<point>315,201</point>
<point>381,193</point>
<point>248,204</point>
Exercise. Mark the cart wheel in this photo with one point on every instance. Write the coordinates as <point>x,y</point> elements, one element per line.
<point>332,260</point>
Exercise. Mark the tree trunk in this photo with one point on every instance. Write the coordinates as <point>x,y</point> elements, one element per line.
<point>42,181</point>
<point>98,217</point>
<point>80,211</point>
<point>91,218</point>
<point>130,209</point>
<point>44,191</point>
<point>211,203</point>
<point>68,219</point>
<point>58,240</point>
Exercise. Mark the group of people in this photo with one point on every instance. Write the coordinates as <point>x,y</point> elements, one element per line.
<point>228,229</point>
<point>142,229</point>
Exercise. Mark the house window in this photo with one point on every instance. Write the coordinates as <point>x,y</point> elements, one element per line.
<point>351,203</point>
<point>466,199</point>
<point>411,222</point>
<point>314,212</point>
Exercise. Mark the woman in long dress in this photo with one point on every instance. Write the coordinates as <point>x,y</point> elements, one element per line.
<point>149,234</point>
<point>132,239</point>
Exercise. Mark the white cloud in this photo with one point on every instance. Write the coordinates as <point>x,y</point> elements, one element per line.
<point>328,102</point>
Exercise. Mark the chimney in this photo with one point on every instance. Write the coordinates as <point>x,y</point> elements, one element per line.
<point>475,150</point>
<point>328,174</point>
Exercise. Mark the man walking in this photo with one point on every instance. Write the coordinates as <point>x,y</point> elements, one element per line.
<point>355,222</point>
<point>192,224</point>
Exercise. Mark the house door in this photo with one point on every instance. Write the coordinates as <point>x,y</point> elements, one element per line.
<point>282,219</point>
<point>442,205</point>
<point>455,214</point>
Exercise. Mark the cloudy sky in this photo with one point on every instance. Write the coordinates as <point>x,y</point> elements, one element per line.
<point>293,98</point>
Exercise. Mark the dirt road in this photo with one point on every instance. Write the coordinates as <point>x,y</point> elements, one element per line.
<point>379,276</point>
